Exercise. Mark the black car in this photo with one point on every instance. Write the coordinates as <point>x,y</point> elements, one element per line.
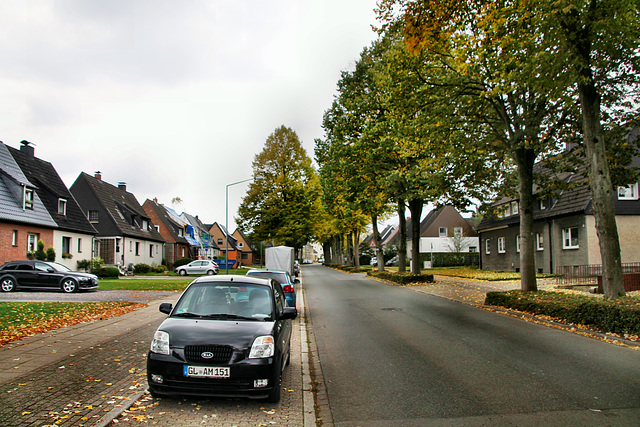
<point>226,336</point>
<point>44,275</point>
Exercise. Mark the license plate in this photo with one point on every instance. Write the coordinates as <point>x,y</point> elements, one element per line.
<point>206,372</point>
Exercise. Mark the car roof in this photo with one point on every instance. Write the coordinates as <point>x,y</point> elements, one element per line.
<point>265,271</point>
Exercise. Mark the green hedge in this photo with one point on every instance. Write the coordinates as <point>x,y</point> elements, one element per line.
<point>619,316</point>
<point>402,278</point>
<point>181,261</point>
<point>107,272</point>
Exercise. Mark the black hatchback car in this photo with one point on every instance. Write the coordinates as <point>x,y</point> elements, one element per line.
<point>226,336</point>
<point>44,275</point>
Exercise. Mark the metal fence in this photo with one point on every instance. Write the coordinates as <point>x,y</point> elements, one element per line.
<point>587,274</point>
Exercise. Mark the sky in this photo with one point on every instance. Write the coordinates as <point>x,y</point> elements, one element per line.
<point>174,98</point>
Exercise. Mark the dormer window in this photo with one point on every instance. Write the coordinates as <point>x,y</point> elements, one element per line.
<point>28,198</point>
<point>62,207</point>
<point>145,225</point>
<point>630,192</point>
<point>514,207</point>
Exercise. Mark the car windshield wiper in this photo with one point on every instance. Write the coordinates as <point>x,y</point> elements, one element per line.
<point>187,314</point>
<point>227,316</point>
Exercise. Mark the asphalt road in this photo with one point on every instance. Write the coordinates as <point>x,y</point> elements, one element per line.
<point>392,356</point>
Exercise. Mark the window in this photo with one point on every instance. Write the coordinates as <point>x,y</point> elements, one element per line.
<point>442,232</point>
<point>32,242</point>
<point>570,238</point>
<point>541,204</point>
<point>151,251</point>
<point>501,245</point>
<point>183,253</point>
<point>66,245</point>
<point>219,241</point>
<point>137,248</point>
<point>487,246</point>
<point>145,224</point>
<point>93,216</point>
<point>62,207</point>
<point>457,231</point>
<point>79,245</point>
<point>157,227</point>
<point>180,232</point>
<point>518,243</point>
<point>28,198</point>
<point>14,238</point>
<point>514,207</point>
<point>630,192</point>
<point>539,241</point>
<point>241,244</point>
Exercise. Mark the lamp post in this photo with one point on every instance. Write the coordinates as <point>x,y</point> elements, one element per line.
<point>226,222</point>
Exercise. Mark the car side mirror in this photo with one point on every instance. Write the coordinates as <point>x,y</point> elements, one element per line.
<point>289,313</point>
<point>50,270</point>
<point>296,281</point>
<point>166,307</point>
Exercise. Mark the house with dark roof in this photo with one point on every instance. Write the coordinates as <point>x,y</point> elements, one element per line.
<point>444,230</point>
<point>563,226</point>
<point>226,242</point>
<point>205,246</point>
<point>171,228</point>
<point>73,236</point>
<point>248,252</point>
<point>126,234</point>
<point>24,219</point>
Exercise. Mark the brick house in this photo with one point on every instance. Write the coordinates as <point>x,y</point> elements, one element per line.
<point>219,235</point>
<point>248,252</point>
<point>73,237</point>
<point>172,230</point>
<point>126,234</point>
<point>563,226</point>
<point>24,219</point>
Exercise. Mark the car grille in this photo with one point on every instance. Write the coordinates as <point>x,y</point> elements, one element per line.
<point>221,353</point>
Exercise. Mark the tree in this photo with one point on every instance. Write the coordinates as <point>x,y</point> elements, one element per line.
<point>282,201</point>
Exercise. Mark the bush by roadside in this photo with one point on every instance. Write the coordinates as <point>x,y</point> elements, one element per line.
<point>619,316</point>
<point>402,278</point>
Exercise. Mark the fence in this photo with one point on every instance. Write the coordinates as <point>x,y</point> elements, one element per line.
<point>587,274</point>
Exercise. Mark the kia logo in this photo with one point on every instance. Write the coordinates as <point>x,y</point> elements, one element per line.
<point>207,355</point>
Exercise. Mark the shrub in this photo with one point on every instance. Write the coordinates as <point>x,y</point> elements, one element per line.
<point>619,316</point>
<point>40,254</point>
<point>96,264</point>
<point>83,264</point>
<point>141,268</point>
<point>183,261</point>
<point>109,272</point>
<point>160,269</point>
<point>51,254</point>
<point>402,278</point>
<point>66,255</point>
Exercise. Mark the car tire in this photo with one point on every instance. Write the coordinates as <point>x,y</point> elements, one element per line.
<point>8,284</point>
<point>183,272</point>
<point>69,286</point>
<point>210,272</point>
<point>274,396</point>
<point>288,357</point>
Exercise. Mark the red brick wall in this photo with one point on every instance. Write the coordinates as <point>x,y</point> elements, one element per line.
<point>8,252</point>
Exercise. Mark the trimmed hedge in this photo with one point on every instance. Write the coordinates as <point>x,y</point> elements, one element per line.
<point>619,316</point>
<point>107,272</point>
<point>181,261</point>
<point>402,278</point>
<point>141,268</point>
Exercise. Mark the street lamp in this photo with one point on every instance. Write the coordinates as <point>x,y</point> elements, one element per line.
<point>226,221</point>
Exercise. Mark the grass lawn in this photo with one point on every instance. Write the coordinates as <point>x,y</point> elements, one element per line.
<point>154,283</point>
<point>474,273</point>
<point>21,319</point>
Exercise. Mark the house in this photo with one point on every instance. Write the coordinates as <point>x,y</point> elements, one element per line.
<point>248,252</point>
<point>226,243</point>
<point>444,230</point>
<point>206,247</point>
<point>126,234</point>
<point>563,226</point>
<point>24,219</point>
<point>73,237</point>
<point>172,229</point>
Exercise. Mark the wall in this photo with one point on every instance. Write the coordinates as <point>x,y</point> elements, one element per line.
<point>85,247</point>
<point>8,252</point>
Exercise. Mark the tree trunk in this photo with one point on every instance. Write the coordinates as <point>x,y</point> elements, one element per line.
<point>602,191</point>
<point>415,207</point>
<point>356,249</point>
<point>402,242</point>
<point>525,159</point>
<point>377,242</point>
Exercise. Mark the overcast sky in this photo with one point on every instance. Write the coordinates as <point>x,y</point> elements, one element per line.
<point>173,97</point>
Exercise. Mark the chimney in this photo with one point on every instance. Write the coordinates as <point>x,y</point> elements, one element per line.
<point>98,175</point>
<point>122,186</point>
<point>27,148</point>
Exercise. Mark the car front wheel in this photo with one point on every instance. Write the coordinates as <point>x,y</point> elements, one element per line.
<point>69,285</point>
<point>8,284</point>
<point>183,272</point>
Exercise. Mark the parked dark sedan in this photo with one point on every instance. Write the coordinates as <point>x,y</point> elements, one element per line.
<point>44,275</point>
<point>226,336</point>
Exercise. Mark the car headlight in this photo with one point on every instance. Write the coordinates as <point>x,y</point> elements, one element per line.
<point>262,347</point>
<point>160,343</point>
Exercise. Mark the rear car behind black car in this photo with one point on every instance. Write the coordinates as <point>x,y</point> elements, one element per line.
<point>226,336</point>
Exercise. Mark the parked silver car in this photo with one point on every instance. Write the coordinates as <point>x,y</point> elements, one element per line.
<point>198,267</point>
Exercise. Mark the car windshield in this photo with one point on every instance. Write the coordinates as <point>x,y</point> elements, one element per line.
<point>280,277</point>
<point>225,302</point>
<point>58,267</point>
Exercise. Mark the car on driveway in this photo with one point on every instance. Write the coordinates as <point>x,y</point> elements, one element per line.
<point>227,336</point>
<point>200,267</point>
<point>288,284</point>
<point>29,274</point>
